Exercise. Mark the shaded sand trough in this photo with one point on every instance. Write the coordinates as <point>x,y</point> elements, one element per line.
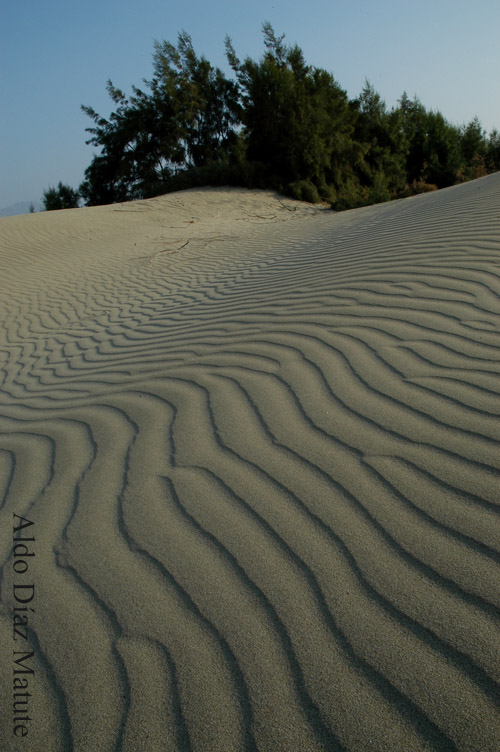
<point>258,441</point>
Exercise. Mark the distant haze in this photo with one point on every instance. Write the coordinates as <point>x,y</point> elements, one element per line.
<point>21,207</point>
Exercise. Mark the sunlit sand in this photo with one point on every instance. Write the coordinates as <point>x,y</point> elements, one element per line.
<point>258,445</point>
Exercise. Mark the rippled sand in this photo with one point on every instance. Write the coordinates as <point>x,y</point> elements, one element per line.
<point>258,443</point>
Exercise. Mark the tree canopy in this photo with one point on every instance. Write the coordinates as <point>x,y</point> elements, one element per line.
<point>278,123</point>
<point>62,197</point>
<point>184,121</point>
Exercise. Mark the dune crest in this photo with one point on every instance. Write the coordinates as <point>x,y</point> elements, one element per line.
<point>257,444</point>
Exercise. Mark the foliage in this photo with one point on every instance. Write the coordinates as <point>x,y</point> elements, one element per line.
<point>384,144</point>
<point>62,197</point>
<point>304,190</point>
<point>432,144</point>
<point>185,120</point>
<point>281,124</point>
<point>296,118</point>
<point>417,186</point>
<point>493,151</point>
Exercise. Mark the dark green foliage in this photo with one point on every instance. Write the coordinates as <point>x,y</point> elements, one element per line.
<point>493,151</point>
<point>384,145</point>
<point>379,190</point>
<point>474,148</point>
<point>304,190</point>
<point>281,124</point>
<point>350,194</point>
<point>428,143</point>
<point>442,151</point>
<point>297,120</point>
<point>205,102</point>
<point>473,141</point>
<point>185,120</point>
<point>62,197</point>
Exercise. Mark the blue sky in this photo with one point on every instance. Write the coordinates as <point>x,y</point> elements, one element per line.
<point>58,54</point>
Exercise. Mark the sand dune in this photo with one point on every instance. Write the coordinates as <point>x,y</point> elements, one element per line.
<point>259,445</point>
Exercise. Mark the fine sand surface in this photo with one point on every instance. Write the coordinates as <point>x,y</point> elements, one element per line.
<point>258,443</point>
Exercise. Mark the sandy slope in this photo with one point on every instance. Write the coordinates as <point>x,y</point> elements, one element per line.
<point>258,441</point>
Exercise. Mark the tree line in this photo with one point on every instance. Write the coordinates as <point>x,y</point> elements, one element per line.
<point>278,123</point>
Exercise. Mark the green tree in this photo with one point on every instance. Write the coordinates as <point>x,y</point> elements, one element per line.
<point>62,197</point>
<point>474,148</point>
<point>297,119</point>
<point>473,141</point>
<point>433,153</point>
<point>185,121</point>
<point>414,132</point>
<point>442,151</point>
<point>493,151</point>
<point>280,124</point>
<point>207,109</point>
<point>139,148</point>
<point>384,145</point>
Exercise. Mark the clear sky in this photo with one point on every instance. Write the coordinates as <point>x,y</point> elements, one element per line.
<point>58,54</point>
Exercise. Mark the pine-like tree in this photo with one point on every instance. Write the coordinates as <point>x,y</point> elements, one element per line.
<point>280,124</point>
<point>62,197</point>
<point>186,120</point>
<point>297,119</point>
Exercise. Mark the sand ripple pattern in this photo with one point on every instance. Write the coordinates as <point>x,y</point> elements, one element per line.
<point>260,445</point>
